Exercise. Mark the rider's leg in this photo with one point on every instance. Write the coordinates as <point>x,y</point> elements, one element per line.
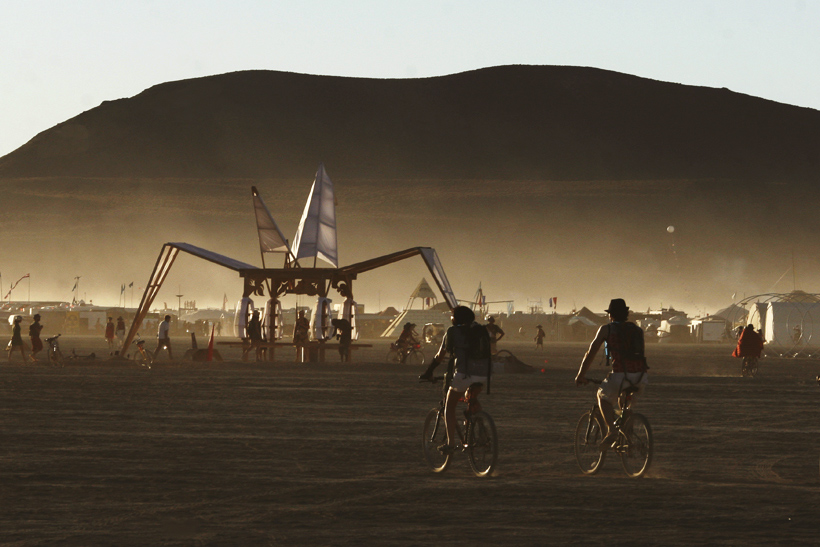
<point>608,412</point>
<point>450,405</point>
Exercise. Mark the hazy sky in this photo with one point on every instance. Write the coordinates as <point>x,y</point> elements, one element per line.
<point>58,59</point>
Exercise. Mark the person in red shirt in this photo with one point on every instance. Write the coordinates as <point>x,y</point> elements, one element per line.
<point>750,343</point>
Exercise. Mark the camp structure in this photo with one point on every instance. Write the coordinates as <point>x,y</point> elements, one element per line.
<point>789,322</point>
<point>429,312</point>
<point>316,240</point>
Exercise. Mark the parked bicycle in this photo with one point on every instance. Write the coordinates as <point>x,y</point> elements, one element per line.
<point>749,367</point>
<point>476,432</point>
<point>633,444</point>
<point>412,355</point>
<point>55,356</point>
<point>142,356</point>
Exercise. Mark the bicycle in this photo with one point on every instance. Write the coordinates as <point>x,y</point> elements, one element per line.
<point>476,432</point>
<point>634,443</point>
<point>142,356</point>
<point>412,355</point>
<point>55,356</point>
<point>749,367</point>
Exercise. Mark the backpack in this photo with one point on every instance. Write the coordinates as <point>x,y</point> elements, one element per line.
<point>625,348</point>
<point>479,340</point>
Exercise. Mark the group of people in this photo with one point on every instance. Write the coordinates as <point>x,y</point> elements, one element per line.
<point>469,364</point>
<point>16,343</point>
<point>342,331</point>
<point>114,332</point>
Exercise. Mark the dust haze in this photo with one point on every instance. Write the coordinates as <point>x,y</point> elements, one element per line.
<point>583,242</point>
<point>534,181</point>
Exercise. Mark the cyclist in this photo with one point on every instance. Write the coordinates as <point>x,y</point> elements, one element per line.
<point>624,354</point>
<point>749,344</point>
<point>468,344</point>
<point>407,339</point>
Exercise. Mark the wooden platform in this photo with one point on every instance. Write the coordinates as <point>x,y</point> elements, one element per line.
<point>314,350</point>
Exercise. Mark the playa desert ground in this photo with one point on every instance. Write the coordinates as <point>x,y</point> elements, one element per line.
<point>236,453</point>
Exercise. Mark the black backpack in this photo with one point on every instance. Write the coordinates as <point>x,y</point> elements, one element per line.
<point>479,340</point>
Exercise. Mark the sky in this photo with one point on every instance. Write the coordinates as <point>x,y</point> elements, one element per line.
<point>58,59</point>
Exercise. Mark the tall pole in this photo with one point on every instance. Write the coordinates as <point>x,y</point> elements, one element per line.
<point>794,274</point>
<point>179,308</point>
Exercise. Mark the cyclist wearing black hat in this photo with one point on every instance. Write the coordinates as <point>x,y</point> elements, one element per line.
<point>625,355</point>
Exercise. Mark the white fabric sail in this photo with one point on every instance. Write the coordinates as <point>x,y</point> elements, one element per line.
<point>271,239</point>
<point>316,236</point>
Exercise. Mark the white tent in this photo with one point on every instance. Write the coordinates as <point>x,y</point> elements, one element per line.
<point>792,327</point>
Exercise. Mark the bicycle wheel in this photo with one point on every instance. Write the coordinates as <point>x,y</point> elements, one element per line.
<point>636,442</point>
<point>393,357</point>
<point>143,358</point>
<point>435,435</point>
<point>56,358</point>
<point>588,436</point>
<point>482,444</point>
<point>415,357</point>
<point>751,367</point>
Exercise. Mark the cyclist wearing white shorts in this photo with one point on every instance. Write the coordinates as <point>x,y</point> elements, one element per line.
<point>461,342</point>
<point>624,345</point>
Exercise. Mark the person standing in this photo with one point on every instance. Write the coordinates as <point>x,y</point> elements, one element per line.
<point>254,336</point>
<point>495,332</point>
<point>109,335</point>
<point>34,335</point>
<point>164,337</point>
<point>344,333</point>
<point>539,337</point>
<point>17,339</point>
<point>300,335</point>
<point>120,332</point>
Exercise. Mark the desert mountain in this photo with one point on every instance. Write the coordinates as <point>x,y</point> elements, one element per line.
<point>536,181</point>
<point>509,123</point>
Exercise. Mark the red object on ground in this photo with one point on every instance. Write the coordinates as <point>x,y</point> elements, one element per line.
<point>211,346</point>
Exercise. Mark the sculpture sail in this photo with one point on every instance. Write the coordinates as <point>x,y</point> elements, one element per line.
<point>271,239</point>
<point>316,236</point>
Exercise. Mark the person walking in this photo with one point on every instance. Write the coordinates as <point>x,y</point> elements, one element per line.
<point>164,337</point>
<point>16,342</point>
<point>34,335</point>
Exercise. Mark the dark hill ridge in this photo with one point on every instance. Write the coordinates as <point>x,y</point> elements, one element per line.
<point>509,123</point>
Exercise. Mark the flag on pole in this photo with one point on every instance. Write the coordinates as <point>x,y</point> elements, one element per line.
<point>75,285</point>
<point>122,289</point>
<point>555,301</point>
<point>224,301</point>
<point>550,302</point>
<point>131,285</point>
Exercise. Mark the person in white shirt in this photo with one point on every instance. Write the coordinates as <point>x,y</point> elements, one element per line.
<point>164,337</point>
